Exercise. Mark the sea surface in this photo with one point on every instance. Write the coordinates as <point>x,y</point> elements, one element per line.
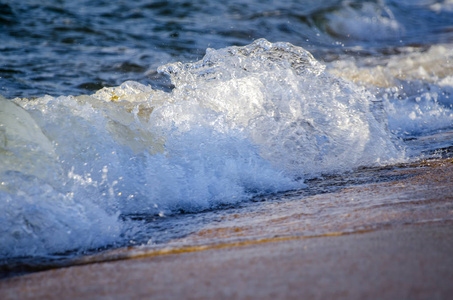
<point>127,123</point>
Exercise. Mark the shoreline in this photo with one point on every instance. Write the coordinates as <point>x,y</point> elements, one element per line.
<point>404,262</point>
<point>398,248</point>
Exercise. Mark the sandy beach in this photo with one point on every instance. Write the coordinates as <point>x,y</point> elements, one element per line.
<point>400,257</point>
<point>408,262</point>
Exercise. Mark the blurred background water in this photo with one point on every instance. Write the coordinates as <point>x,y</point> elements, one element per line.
<point>76,47</point>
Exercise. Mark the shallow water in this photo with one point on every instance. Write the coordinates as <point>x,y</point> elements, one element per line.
<point>135,123</point>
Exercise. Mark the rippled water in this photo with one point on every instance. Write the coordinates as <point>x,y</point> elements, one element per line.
<point>68,47</point>
<point>117,115</point>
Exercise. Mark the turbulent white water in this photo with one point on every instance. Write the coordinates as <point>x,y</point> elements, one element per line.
<point>241,122</point>
<point>416,86</point>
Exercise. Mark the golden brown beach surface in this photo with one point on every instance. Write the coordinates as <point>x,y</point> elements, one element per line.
<point>397,248</point>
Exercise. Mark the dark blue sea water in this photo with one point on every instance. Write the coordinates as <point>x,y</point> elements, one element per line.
<point>134,122</point>
<point>76,47</point>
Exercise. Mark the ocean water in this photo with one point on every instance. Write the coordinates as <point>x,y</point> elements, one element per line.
<point>129,123</point>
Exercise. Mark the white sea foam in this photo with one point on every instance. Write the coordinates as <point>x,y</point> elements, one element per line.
<point>42,212</point>
<point>241,122</point>
<point>369,22</point>
<point>441,6</point>
<point>416,86</point>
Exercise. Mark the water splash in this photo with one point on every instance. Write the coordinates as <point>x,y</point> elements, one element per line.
<point>243,121</point>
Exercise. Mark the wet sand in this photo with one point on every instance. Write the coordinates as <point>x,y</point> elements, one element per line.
<point>408,262</point>
<point>404,255</point>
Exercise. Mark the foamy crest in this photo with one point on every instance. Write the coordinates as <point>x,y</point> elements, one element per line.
<point>303,120</point>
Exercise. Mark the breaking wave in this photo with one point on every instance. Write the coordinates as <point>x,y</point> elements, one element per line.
<point>241,122</point>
